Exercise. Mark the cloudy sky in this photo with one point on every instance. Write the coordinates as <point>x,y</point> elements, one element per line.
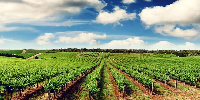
<point>113,24</point>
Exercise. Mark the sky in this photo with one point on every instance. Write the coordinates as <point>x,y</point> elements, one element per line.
<point>105,24</point>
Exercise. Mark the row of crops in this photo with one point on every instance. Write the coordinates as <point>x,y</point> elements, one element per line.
<point>183,69</point>
<point>18,74</point>
<point>56,71</point>
<point>19,53</point>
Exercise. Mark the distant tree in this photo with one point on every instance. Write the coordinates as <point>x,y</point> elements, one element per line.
<point>36,57</point>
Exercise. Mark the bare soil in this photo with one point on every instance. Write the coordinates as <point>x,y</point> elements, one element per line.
<point>34,56</point>
<point>28,93</point>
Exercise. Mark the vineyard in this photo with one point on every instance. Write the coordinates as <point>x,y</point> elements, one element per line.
<point>94,76</point>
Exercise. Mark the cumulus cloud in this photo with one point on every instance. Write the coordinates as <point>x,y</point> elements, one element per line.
<point>94,43</point>
<point>181,12</point>
<point>190,46</point>
<point>42,10</point>
<point>44,39</point>
<point>165,45</point>
<point>81,38</point>
<point>130,43</point>
<point>148,0</point>
<point>128,1</point>
<point>171,30</point>
<point>138,43</point>
<point>115,16</point>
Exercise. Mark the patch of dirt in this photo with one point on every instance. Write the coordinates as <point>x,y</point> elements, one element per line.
<point>34,56</point>
<point>99,55</point>
<point>24,51</point>
<point>28,93</point>
<point>78,54</point>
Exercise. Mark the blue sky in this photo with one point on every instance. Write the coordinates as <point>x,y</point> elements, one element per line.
<point>108,24</point>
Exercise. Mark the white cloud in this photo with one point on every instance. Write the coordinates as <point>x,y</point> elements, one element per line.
<point>44,39</point>
<point>68,23</point>
<point>1,41</point>
<point>165,45</point>
<point>171,30</point>
<point>148,0</point>
<point>138,43</point>
<point>190,46</point>
<point>114,17</point>
<point>128,1</point>
<point>130,43</point>
<point>31,11</point>
<point>3,28</point>
<point>181,12</point>
<point>81,38</point>
<point>94,43</point>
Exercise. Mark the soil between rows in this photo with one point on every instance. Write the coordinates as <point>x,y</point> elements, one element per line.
<point>30,92</point>
<point>146,90</point>
<point>114,84</point>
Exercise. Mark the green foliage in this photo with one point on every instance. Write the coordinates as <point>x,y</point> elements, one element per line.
<point>89,54</point>
<point>27,55</point>
<point>161,68</point>
<point>122,81</point>
<point>21,73</point>
<point>11,51</point>
<point>1,98</point>
<point>92,80</point>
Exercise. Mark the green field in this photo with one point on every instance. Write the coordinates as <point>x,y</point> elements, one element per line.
<point>94,75</point>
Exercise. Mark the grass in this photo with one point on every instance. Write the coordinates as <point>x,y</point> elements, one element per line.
<point>163,91</point>
<point>189,90</point>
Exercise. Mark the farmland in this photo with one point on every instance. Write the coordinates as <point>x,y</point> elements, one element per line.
<point>94,75</point>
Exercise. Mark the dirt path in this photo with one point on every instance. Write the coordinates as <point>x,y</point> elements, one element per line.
<point>24,51</point>
<point>99,55</point>
<point>34,56</point>
<point>78,54</point>
<point>114,85</point>
<point>28,93</point>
